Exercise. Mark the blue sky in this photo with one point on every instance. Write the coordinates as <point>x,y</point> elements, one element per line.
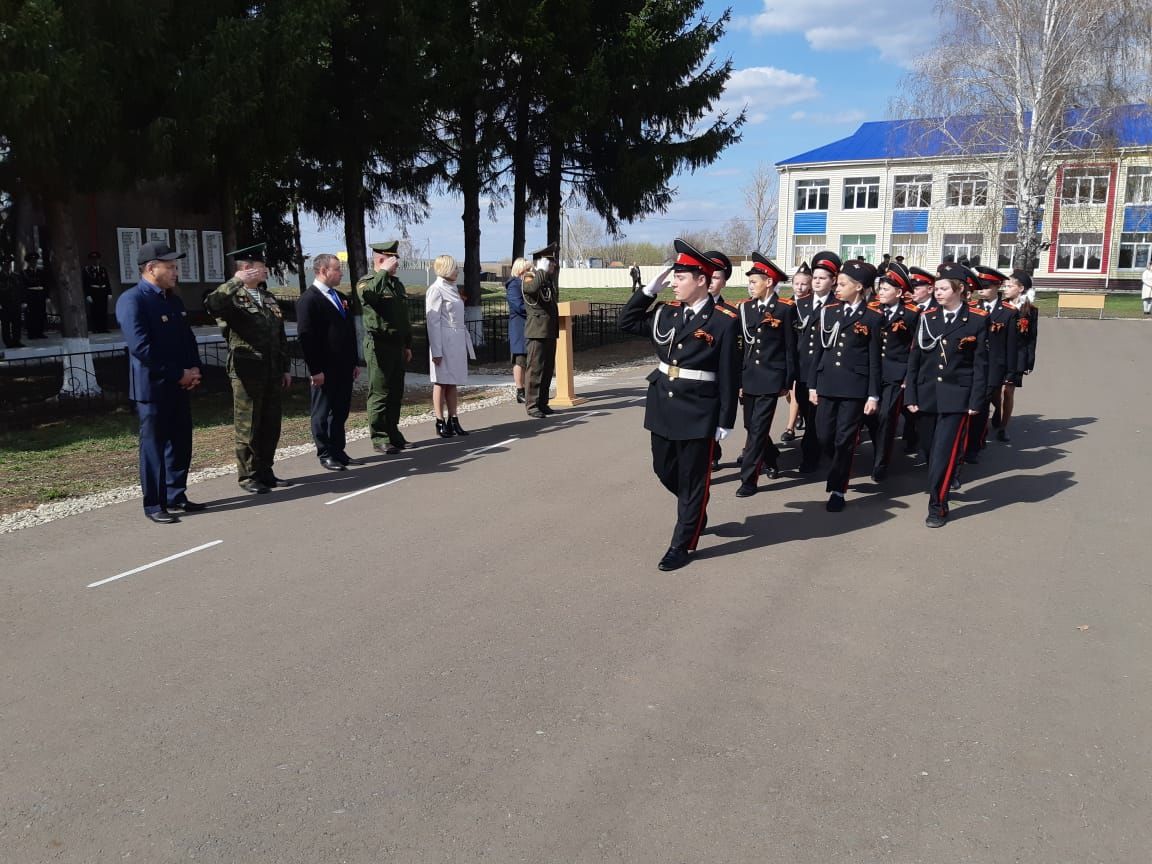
<point>808,72</point>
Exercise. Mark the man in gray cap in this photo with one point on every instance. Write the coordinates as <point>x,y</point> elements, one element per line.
<point>164,366</point>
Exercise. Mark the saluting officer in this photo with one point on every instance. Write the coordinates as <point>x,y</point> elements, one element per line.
<point>947,380</point>
<point>387,345</point>
<point>97,290</point>
<point>541,329</point>
<point>896,335</point>
<point>35,295</point>
<point>846,373</point>
<point>258,364</point>
<point>692,395</point>
<point>825,268</point>
<point>1002,360</point>
<point>768,328</point>
<point>10,303</point>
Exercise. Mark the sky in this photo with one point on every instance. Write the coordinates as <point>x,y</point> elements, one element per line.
<point>808,72</point>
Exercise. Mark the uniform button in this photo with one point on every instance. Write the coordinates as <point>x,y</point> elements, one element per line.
<point>680,345</point>
<point>837,362</point>
<point>943,341</point>
<point>941,365</point>
<point>674,362</point>
<point>839,353</point>
<point>757,362</point>
<point>669,394</point>
<point>939,379</point>
<point>757,350</point>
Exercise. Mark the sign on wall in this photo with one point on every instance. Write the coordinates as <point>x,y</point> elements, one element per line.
<point>128,243</point>
<point>190,264</point>
<point>213,255</point>
<point>157,235</point>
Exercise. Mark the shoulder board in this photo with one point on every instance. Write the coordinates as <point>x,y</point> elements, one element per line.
<point>976,310</point>
<point>911,307</point>
<point>726,311</point>
<point>672,303</point>
<point>787,301</point>
<point>1008,305</point>
<point>831,304</point>
<point>973,303</point>
<point>875,304</point>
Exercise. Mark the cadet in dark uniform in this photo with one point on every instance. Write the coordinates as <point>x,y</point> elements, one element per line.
<point>541,329</point>
<point>1018,292</point>
<point>947,381</point>
<point>716,288</point>
<point>846,373</point>
<point>258,364</point>
<point>35,294</point>
<point>11,302</point>
<point>97,290</point>
<point>896,335</point>
<point>825,269</point>
<point>922,297</point>
<point>801,288</point>
<point>1002,334</point>
<point>387,346</point>
<point>768,330</point>
<point>692,396</point>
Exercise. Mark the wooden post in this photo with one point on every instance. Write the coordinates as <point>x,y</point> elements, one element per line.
<point>565,368</point>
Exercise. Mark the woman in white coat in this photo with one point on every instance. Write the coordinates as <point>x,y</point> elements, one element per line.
<point>449,344</point>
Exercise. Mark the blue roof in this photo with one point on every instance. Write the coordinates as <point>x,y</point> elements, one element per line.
<point>1125,126</point>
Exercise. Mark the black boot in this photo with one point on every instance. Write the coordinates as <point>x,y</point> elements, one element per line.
<point>520,395</point>
<point>443,429</point>
<point>454,425</point>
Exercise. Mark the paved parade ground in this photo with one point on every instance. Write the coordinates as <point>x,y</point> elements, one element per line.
<point>467,654</point>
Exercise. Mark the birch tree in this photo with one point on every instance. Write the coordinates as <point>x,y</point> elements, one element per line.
<point>761,202</point>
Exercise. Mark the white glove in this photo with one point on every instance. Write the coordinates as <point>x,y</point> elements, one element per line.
<point>659,283</point>
<point>543,263</point>
<point>722,433</point>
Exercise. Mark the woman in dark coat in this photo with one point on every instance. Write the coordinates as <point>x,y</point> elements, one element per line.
<point>517,315</point>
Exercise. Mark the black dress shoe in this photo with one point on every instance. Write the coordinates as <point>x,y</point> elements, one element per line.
<point>787,435</point>
<point>546,409</point>
<point>347,460</point>
<point>745,491</point>
<point>934,521</point>
<point>161,517</point>
<point>536,414</point>
<point>835,503</point>
<point>879,475</point>
<point>673,559</point>
<point>520,395</point>
<point>955,484</point>
<point>274,482</point>
<point>333,465</point>
<point>187,506</point>
<point>772,473</point>
<point>1002,435</point>
<point>254,486</point>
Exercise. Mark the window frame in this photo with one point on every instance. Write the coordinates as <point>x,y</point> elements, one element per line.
<point>1079,244</point>
<point>822,190</point>
<point>1144,175</point>
<point>814,246</point>
<point>1136,261</point>
<point>868,187</point>
<point>903,184</point>
<point>1096,181</point>
<point>978,197</point>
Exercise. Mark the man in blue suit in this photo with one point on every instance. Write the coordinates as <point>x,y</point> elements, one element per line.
<point>164,368</point>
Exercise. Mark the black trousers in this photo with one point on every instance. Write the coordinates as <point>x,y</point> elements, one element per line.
<point>330,406</point>
<point>165,448</point>
<point>759,450</point>
<point>98,313</point>
<point>538,375</point>
<point>10,324</point>
<point>838,426</point>
<point>810,450</point>
<point>685,469</point>
<point>978,424</point>
<point>37,318</point>
<point>943,437</point>
<point>882,425</point>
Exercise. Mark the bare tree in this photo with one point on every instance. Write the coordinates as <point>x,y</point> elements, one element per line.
<point>761,199</point>
<point>1028,84</point>
<point>738,242</point>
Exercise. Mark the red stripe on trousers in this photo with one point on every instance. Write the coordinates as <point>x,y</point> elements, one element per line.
<point>961,435</point>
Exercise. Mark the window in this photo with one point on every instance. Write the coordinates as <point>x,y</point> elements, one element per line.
<point>861,193</point>
<point>804,246</point>
<point>811,194</point>
<point>1006,251</point>
<point>914,248</point>
<point>958,247</point>
<point>967,190</point>
<point>855,245</point>
<point>1079,252</point>
<point>912,190</point>
<point>1139,189</point>
<point>1135,250</point>
<point>1085,185</point>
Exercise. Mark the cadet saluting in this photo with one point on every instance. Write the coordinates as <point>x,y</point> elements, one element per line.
<point>691,403</point>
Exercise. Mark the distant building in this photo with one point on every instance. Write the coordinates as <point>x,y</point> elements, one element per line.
<point>880,191</point>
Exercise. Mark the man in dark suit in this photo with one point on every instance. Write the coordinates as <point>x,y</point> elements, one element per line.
<point>164,368</point>
<point>846,373</point>
<point>691,402</point>
<point>825,268</point>
<point>947,379</point>
<point>327,333</point>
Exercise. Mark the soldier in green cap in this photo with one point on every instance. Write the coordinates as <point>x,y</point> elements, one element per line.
<point>387,345</point>
<point>258,364</point>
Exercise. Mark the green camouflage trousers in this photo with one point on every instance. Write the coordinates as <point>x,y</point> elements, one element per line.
<point>257,411</point>
<point>385,388</point>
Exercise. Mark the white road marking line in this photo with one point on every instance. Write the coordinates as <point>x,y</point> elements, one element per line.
<point>362,491</point>
<point>155,563</point>
<point>582,415</point>
<point>491,447</point>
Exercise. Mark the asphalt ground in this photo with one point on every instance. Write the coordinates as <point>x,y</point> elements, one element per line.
<point>481,662</point>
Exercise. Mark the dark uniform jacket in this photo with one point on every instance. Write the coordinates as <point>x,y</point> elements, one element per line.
<point>161,345</point>
<point>385,305</point>
<point>257,344</point>
<point>34,284</point>
<point>769,340</point>
<point>896,337</point>
<point>1002,335</point>
<point>807,336</point>
<point>1026,340</point>
<point>948,366</point>
<point>96,282</point>
<point>10,286</point>
<point>849,367</point>
<point>327,339</point>
<point>677,408</point>
<point>540,297</point>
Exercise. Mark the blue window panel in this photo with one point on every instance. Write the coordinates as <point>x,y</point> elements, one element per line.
<point>910,222</point>
<point>1137,218</point>
<point>1012,221</point>
<point>810,223</point>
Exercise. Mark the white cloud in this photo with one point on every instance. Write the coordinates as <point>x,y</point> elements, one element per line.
<point>837,118</point>
<point>760,89</point>
<point>906,30</point>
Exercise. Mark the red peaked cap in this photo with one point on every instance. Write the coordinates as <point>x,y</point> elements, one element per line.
<point>897,274</point>
<point>691,260</point>
<point>920,277</point>
<point>763,267</point>
<point>721,261</point>
<point>829,261</point>
<point>989,276</point>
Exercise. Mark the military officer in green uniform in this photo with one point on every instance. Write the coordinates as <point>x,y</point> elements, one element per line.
<point>387,346</point>
<point>11,300</point>
<point>258,364</point>
<point>542,329</point>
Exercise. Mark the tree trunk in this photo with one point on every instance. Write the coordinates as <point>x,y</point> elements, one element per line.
<point>79,373</point>
<point>523,164</point>
<point>555,188</point>
<point>297,246</point>
<point>355,240</point>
